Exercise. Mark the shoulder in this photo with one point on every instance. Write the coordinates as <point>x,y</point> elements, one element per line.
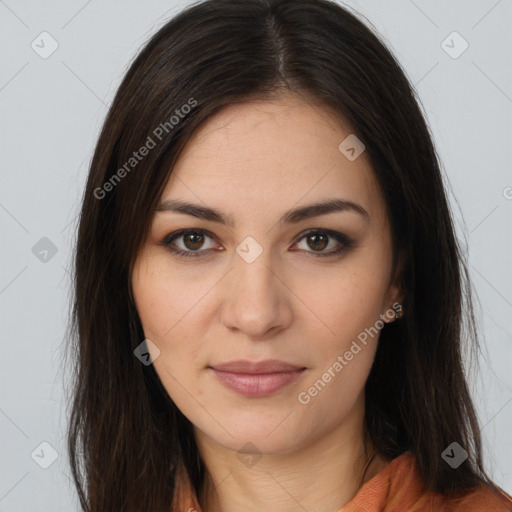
<point>398,487</point>
<point>483,498</point>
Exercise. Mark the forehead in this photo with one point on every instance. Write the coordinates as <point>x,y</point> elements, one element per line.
<point>272,154</point>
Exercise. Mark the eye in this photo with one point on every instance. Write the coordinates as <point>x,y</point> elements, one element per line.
<point>318,240</point>
<point>192,241</point>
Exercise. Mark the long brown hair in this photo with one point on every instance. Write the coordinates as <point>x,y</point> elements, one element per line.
<point>126,437</point>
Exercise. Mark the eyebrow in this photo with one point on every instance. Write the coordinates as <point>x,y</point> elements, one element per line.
<point>291,217</point>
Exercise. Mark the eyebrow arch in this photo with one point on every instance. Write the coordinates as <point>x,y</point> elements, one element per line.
<point>291,217</point>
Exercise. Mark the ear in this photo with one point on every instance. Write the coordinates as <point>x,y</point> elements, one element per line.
<point>395,295</point>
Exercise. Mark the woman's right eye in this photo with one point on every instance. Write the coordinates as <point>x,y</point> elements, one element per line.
<point>193,238</point>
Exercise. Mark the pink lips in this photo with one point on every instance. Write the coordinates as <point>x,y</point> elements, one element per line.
<point>256,379</point>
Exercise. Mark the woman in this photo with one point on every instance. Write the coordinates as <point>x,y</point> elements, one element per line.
<point>269,295</point>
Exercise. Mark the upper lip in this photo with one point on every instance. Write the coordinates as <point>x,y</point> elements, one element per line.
<point>244,366</point>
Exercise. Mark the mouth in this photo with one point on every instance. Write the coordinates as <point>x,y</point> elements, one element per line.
<point>256,379</point>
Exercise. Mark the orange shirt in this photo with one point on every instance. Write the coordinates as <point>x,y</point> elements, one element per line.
<point>396,488</point>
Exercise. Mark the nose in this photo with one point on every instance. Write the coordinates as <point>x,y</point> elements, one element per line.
<point>257,299</point>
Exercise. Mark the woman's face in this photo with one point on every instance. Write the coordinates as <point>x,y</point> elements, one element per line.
<point>259,287</point>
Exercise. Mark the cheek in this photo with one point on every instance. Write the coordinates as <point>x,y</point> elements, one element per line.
<point>345,344</point>
<point>163,299</point>
<point>159,314</point>
<point>345,304</point>
<point>148,294</point>
<point>169,312</point>
<point>335,392</point>
<point>349,307</point>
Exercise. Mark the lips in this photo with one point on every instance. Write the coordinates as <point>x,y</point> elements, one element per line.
<point>256,379</point>
<point>269,366</point>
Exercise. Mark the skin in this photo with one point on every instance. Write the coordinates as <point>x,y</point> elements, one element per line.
<point>255,161</point>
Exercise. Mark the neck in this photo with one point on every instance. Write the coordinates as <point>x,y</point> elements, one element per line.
<point>322,476</point>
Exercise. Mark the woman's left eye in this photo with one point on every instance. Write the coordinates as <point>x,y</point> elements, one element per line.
<point>319,239</point>
<point>193,240</point>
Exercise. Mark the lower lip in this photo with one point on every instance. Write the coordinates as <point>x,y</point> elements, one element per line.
<point>256,385</point>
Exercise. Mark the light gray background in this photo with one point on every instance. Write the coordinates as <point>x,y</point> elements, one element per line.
<point>51,113</point>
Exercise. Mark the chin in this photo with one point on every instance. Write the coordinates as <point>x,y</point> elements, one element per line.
<point>257,437</point>
<point>261,444</point>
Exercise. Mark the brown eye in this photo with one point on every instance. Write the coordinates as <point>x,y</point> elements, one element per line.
<point>193,241</point>
<point>317,242</point>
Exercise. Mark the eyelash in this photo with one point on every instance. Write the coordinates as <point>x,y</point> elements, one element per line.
<point>347,242</point>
